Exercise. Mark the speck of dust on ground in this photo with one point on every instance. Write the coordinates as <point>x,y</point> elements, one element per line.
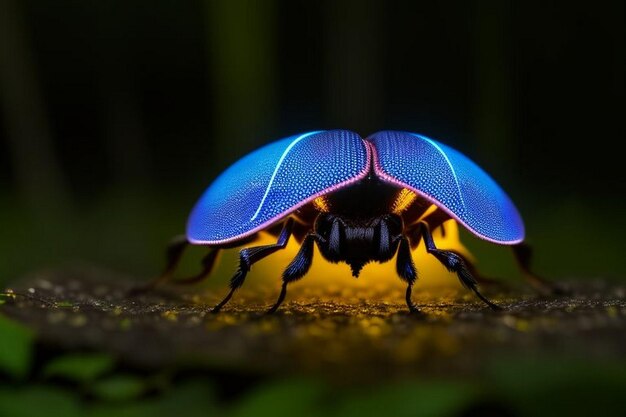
<point>88,309</point>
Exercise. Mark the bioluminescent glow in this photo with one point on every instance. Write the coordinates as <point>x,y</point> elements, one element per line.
<point>404,200</point>
<point>273,181</point>
<point>379,281</point>
<point>278,164</point>
<point>450,180</point>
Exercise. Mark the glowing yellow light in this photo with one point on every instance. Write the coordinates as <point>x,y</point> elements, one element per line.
<point>334,281</point>
<point>321,204</point>
<point>403,201</point>
<point>429,211</point>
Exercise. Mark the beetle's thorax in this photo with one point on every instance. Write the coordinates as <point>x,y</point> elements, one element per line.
<point>368,198</point>
<point>358,241</point>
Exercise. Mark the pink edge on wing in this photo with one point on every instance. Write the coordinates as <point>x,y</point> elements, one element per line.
<point>387,178</point>
<point>284,214</point>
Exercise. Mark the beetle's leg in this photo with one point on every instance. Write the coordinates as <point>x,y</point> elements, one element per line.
<point>479,277</point>
<point>523,254</point>
<point>298,268</point>
<point>173,253</point>
<point>414,235</point>
<point>454,263</point>
<point>208,262</point>
<point>249,256</point>
<point>406,271</point>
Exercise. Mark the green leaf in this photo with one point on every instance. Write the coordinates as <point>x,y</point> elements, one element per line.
<point>432,398</point>
<point>134,409</point>
<point>563,385</point>
<point>286,398</point>
<point>16,348</point>
<point>36,401</point>
<point>119,387</point>
<point>190,399</point>
<point>197,395</point>
<point>79,367</point>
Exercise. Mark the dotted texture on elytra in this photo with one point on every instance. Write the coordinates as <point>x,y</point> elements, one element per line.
<point>451,181</point>
<point>273,181</point>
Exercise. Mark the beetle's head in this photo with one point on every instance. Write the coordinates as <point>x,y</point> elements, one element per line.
<point>358,241</point>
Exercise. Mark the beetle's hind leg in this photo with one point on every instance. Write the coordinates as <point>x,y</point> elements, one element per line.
<point>454,263</point>
<point>208,262</point>
<point>523,255</point>
<point>174,253</point>
<point>297,268</point>
<point>249,256</point>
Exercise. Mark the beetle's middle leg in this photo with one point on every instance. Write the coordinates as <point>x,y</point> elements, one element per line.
<point>250,256</point>
<point>454,263</point>
<point>437,219</point>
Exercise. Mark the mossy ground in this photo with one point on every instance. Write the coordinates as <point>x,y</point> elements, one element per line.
<point>350,344</point>
<point>86,308</point>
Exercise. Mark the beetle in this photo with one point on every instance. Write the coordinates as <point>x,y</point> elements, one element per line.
<point>359,200</point>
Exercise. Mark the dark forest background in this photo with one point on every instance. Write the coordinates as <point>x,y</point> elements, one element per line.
<point>116,114</point>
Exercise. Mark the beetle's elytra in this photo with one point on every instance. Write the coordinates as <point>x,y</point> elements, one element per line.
<point>359,200</point>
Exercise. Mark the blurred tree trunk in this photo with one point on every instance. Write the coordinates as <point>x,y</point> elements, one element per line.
<point>242,59</point>
<point>494,105</point>
<point>124,132</point>
<point>354,40</point>
<point>38,174</point>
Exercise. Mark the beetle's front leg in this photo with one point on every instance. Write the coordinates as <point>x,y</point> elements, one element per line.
<point>297,268</point>
<point>406,270</point>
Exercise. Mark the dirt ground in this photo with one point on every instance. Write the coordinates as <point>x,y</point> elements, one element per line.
<point>88,309</point>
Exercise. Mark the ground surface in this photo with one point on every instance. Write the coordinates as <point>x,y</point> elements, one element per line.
<point>84,308</point>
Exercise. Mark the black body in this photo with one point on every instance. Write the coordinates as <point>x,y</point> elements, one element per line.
<point>358,227</point>
<point>357,241</point>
